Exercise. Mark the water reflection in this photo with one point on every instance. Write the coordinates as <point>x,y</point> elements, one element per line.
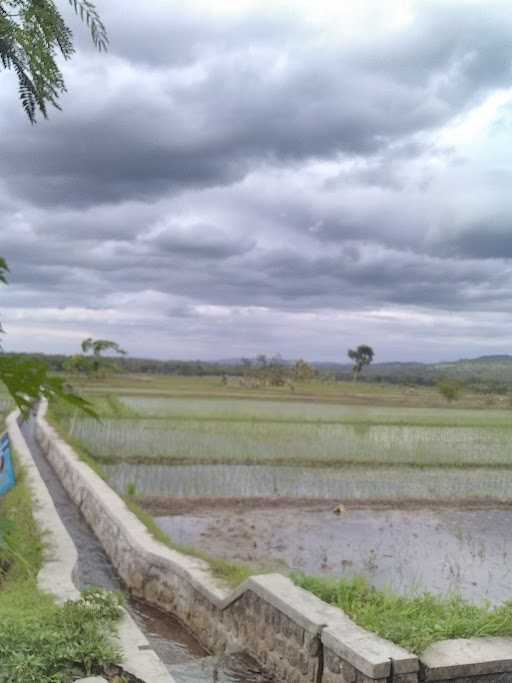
<point>444,551</point>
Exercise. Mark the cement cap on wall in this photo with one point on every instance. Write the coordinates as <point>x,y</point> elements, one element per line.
<point>464,657</point>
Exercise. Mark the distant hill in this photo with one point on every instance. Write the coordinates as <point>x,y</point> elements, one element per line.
<point>487,359</point>
<point>496,368</point>
<point>489,370</point>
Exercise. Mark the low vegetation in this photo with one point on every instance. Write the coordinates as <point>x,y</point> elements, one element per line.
<point>41,642</point>
<point>412,622</point>
<point>450,389</point>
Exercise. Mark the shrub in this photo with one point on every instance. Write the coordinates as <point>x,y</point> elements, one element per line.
<point>450,389</point>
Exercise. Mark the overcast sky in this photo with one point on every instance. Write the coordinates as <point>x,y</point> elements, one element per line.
<point>250,177</point>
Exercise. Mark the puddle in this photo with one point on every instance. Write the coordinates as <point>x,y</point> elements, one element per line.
<point>343,483</point>
<point>443,551</point>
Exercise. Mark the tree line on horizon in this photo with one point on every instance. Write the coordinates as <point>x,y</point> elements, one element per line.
<point>491,377</point>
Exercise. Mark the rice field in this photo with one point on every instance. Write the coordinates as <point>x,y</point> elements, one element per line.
<point>220,431</point>
<point>204,446</point>
<point>349,484</point>
<point>323,413</point>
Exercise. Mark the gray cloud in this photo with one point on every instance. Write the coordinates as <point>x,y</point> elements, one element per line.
<point>487,239</point>
<point>234,101</point>
<point>197,241</point>
<point>250,173</point>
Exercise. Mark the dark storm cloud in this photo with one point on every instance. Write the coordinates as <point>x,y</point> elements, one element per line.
<point>367,274</point>
<point>270,96</point>
<point>489,239</point>
<point>197,241</point>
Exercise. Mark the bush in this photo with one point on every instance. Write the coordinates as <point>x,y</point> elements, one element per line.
<point>41,642</point>
<point>450,389</point>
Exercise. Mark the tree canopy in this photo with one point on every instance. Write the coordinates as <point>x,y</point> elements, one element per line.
<point>94,364</point>
<point>361,357</point>
<point>33,34</point>
<point>100,346</point>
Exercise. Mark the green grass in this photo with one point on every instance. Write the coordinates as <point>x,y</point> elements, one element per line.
<point>41,642</point>
<point>22,549</point>
<point>412,622</point>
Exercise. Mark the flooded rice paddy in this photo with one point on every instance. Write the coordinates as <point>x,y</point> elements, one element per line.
<point>441,551</point>
<point>268,410</point>
<point>427,546</point>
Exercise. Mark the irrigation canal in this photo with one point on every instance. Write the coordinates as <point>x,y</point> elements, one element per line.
<point>182,654</point>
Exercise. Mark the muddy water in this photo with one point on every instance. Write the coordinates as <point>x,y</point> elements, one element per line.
<point>442,551</point>
<point>345,483</point>
<point>184,657</point>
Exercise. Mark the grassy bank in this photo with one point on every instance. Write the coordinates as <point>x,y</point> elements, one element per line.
<point>412,622</point>
<point>41,642</point>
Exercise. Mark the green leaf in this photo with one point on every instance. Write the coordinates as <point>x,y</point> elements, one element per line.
<point>28,380</point>
<point>32,34</point>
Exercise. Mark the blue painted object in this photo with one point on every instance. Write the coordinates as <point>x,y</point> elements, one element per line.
<point>7,478</point>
